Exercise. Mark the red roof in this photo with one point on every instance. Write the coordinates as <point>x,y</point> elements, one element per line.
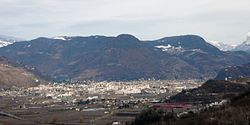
<point>171,105</point>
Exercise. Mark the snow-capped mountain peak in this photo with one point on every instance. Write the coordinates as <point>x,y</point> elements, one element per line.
<point>248,39</point>
<point>4,43</point>
<point>245,46</point>
<point>222,46</point>
<point>7,40</point>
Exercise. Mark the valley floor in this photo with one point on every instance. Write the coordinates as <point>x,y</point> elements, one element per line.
<point>100,103</point>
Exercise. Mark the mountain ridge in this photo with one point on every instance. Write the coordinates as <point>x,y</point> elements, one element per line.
<point>7,40</point>
<point>245,46</point>
<point>234,72</point>
<point>123,57</point>
<point>222,46</point>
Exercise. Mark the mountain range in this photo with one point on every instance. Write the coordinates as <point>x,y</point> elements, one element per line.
<point>4,42</point>
<point>245,46</point>
<point>222,46</point>
<point>123,57</point>
<point>7,40</point>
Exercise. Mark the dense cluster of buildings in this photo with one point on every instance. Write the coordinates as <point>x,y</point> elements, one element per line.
<point>133,91</point>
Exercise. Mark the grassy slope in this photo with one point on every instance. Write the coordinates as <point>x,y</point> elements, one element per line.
<point>15,76</point>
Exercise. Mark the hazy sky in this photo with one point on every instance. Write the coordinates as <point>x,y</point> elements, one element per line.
<point>222,20</point>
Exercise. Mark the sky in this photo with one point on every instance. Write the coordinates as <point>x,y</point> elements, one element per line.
<point>227,21</point>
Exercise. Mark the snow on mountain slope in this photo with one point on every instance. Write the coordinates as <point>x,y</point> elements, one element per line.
<point>245,46</point>
<point>63,38</point>
<point>5,43</point>
<point>7,40</point>
<point>222,46</point>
